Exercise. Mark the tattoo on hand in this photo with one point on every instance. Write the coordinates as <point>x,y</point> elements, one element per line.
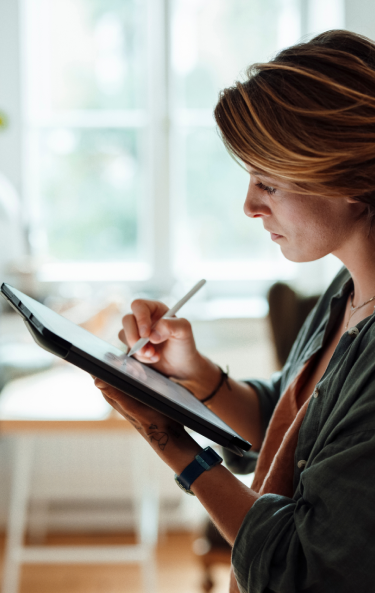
<point>162,438</point>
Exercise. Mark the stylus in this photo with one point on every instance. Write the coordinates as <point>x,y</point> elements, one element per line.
<point>143,341</point>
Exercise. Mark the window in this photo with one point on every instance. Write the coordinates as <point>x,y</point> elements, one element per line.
<point>126,176</point>
<point>87,122</point>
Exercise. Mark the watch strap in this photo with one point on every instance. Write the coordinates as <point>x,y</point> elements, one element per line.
<point>204,461</point>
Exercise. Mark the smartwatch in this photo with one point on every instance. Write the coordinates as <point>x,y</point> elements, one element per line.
<point>204,461</point>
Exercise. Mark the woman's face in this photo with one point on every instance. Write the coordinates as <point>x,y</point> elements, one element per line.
<point>307,227</point>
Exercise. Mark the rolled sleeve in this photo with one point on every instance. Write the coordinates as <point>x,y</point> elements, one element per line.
<point>268,524</point>
<point>315,541</point>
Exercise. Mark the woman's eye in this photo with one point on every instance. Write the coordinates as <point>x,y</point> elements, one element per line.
<point>269,190</point>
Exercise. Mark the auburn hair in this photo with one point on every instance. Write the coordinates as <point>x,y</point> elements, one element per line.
<point>308,117</point>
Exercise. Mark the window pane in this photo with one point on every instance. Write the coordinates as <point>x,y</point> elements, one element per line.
<point>213,43</point>
<point>211,224</point>
<point>91,188</point>
<point>213,40</point>
<point>87,54</point>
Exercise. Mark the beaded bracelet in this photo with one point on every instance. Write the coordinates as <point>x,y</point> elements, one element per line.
<point>224,377</point>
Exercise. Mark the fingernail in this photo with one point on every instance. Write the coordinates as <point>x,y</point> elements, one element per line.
<point>155,335</point>
<point>99,384</point>
<point>143,331</point>
<point>153,359</point>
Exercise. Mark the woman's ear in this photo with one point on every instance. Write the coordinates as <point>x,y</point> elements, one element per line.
<point>358,208</point>
<point>359,203</point>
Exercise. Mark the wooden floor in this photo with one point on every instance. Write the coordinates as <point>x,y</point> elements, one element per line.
<point>179,570</point>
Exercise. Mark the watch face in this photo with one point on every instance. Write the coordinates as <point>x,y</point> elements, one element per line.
<point>183,487</point>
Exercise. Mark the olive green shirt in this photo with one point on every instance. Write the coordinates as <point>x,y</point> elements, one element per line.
<point>323,539</point>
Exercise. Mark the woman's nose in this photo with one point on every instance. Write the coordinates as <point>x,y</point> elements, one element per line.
<point>255,205</point>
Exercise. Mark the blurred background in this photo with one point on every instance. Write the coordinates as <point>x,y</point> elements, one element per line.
<point>114,185</point>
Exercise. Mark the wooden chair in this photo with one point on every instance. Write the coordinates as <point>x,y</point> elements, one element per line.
<point>65,401</point>
<point>212,549</point>
<point>287,312</point>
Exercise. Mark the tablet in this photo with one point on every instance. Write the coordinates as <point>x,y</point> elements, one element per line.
<point>74,344</point>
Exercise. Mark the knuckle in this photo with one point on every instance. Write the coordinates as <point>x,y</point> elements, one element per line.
<point>177,327</point>
<point>127,319</point>
<point>136,303</point>
<point>139,306</point>
<point>185,325</point>
<point>141,313</point>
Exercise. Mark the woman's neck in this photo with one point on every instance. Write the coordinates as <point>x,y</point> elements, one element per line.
<point>358,256</point>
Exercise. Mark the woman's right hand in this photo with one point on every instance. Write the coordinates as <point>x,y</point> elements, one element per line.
<point>171,349</point>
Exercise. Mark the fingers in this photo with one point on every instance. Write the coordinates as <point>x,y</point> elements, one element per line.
<point>137,413</point>
<point>146,321</point>
<point>138,325</point>
<point>108,389</point>
<point>129,334</point>
<point>179,329</point>
<point>146,313</point>
<point>118,399</point>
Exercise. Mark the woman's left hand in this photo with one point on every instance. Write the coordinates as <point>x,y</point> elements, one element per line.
<point>167,437</point>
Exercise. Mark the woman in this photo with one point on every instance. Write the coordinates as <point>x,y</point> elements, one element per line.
<point>304,127</point>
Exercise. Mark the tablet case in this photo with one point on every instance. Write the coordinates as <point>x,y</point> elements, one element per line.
<point>66,340</point>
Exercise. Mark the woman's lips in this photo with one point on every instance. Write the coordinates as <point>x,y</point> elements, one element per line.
<point>274,236</point>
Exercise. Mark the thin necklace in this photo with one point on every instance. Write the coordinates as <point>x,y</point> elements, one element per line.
<point>354,309</point>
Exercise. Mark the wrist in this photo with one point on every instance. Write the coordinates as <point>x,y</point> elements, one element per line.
<point>206,460</point>
<point>175,447</point>
<point>206,376</point>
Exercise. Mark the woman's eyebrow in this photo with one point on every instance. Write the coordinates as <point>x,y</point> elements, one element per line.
<point>273,180</point>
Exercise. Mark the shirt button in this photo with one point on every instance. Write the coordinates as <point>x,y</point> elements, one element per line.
<point>353,331</point>
<point>316,392</point>
<point>301,464</point>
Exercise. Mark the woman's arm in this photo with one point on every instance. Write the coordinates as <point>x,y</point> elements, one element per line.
<point>226,499</point>
<point>313,541</point>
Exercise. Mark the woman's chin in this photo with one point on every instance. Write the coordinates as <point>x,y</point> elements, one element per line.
<point>299,256</point>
